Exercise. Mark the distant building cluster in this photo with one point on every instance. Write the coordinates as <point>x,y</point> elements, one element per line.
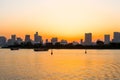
<point>38,40</point>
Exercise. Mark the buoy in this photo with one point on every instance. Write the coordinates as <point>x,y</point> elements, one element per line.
<point>51,52</point>
<point>85,51</point>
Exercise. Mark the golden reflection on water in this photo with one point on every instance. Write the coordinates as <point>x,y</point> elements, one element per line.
<point>62,65</point>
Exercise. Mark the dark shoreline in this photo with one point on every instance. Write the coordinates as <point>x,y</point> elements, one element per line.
<point>90,48</point>
<point>112,46</point>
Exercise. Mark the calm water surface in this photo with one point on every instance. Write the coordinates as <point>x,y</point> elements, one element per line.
<point>62,65</point>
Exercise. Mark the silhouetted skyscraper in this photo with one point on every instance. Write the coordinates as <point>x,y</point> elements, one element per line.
<point>54,40</point>
<point>63,42</point>
<point>2,40</point>
<point>27,38</point>
<point>107,39</point>
<point>88,39</point>
<point>19,40</point>
<point>37,38</point>
<point>81,41</point>
<point>116,37</point>
<point>12,40</point>
<point>13,37</point>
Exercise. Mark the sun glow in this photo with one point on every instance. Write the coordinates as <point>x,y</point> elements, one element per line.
<point>65,19</point>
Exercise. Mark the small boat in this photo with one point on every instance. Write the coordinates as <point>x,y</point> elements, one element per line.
<point>14,48</point>
<point>40,49</point>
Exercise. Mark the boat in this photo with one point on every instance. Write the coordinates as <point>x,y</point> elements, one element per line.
<point>14,48</point>
<point>41,49</point>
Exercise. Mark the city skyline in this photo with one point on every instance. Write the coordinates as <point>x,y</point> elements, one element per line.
<point>87,40</point>
<point>66,19</point>
<point>38,40</point>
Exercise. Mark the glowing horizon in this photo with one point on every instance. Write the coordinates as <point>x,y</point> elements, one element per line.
<point>65,19</point>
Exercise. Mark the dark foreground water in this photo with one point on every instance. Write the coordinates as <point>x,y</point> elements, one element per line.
<point>62,65</point>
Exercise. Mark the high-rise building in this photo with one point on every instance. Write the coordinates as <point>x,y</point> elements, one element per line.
<point>107,39</point>
<point>13,37</point>
<point>27,38</point>
<point>37,38</point>
<point>19,40</point>
<point>63,42</point>
<point>116,37</point>
<point>88,39</point>
<point>2,40</point>
<point>12,40</point>
<point>81,41</point>
<point>54,40</point>
<point>41,41</point>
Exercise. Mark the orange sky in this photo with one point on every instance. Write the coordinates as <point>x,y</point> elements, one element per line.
<point>65,19</point>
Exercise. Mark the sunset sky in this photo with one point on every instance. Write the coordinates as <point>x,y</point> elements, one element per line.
<point>65,19</point>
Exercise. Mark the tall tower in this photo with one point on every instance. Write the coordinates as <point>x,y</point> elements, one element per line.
<point>13,37</point>
<point>2,40</point>
<point>107,39</point>
<point>27,38</point>
<point>116,37</point>
<point>37,38</point>
<point>88,39</point>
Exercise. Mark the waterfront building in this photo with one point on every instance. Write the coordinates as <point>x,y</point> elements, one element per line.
<point>12,40</point>
<point>75,43</point>
<point>88,39</point>
<point>2,41</point>
<point>19,40</point>
<point>54,40</point>
<point>63,42</point>
<point>13,37</point>
<point>116,37</point>
<point>27,38</point>
<point>81,42</point>
<point>37,38</point>
<point>106,39</point>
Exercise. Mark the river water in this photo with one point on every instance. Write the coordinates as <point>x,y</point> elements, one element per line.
<point>25,64</point>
